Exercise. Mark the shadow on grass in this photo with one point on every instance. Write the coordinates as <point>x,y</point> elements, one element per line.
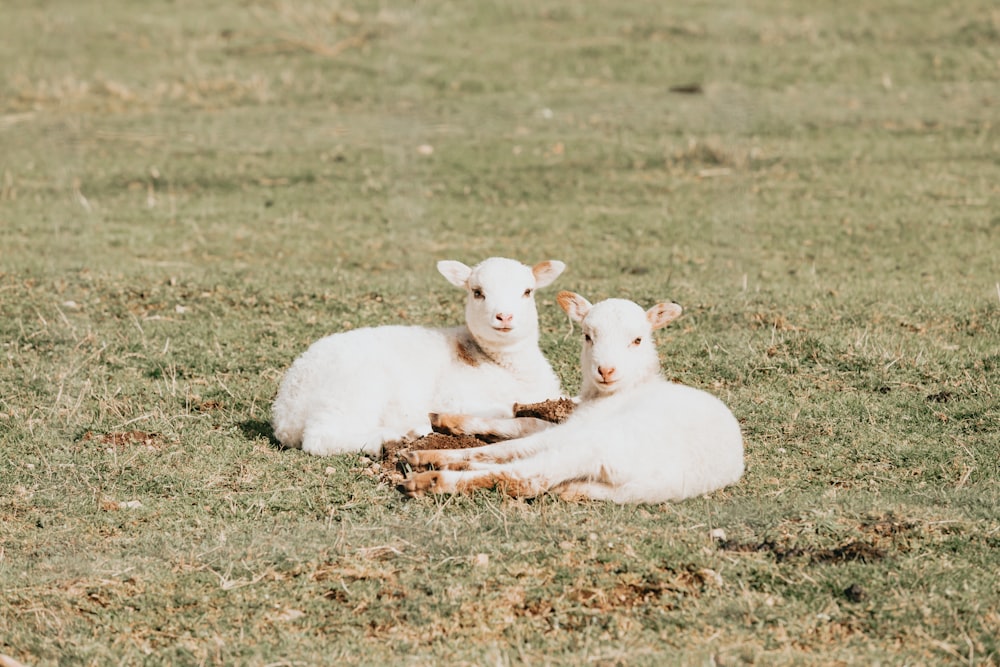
<point>256,428</point>
<point>853,550</point>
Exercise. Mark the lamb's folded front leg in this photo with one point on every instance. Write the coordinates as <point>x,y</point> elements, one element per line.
<point>536,465</point>
<point>465,481</point>
<point>497,428</point>
<point>471,457</point>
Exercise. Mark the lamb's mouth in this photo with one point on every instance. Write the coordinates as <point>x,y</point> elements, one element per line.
<point>503,329</point>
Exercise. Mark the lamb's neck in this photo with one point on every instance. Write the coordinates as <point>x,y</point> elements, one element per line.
<point>517,355</point>
<point>590,392</point>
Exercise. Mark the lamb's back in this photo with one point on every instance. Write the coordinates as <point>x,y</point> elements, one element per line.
<point>363,371</point>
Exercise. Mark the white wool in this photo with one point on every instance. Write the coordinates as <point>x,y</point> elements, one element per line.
<point>352,391</point>
<point>635,437</point>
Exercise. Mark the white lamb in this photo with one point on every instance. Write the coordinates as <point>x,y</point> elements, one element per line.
<point>353,391</point>
<point>634,438</point>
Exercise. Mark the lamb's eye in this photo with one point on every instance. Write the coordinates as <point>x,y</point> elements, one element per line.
<point>527,292</point>
<point>587,338</point>
<point>637,341</point>
<point>478,294</point>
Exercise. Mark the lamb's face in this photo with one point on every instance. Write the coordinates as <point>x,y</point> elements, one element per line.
<point>618,350</point>
<point>500,301</point>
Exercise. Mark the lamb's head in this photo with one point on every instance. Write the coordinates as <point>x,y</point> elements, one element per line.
<point>500,302</point>
<point>618,347</point>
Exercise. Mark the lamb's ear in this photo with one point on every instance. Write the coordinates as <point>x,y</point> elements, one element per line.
<point>546,272</point>
<point>456,272</point>
<point>663,314</point>
<point>575,305</point>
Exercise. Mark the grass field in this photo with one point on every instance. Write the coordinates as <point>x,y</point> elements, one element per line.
<point>192,192</point>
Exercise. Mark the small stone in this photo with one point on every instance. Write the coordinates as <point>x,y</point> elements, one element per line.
<point>855,593</point>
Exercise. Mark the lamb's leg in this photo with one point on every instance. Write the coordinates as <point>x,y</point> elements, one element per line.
<point>568,464</point>
<point>582,489</point>
<point>511,482</point>
<point>535,465</point>
<point>465,481</point>
<point>468,458</point>
<point>497,428</point>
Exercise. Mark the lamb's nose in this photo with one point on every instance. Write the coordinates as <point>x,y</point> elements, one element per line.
<point>607,374</point>
<point>505,319</point>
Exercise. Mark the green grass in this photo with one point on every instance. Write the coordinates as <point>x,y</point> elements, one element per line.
<point>191,193</point>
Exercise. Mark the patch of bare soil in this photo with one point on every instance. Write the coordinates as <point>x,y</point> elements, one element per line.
<point>631,590</point>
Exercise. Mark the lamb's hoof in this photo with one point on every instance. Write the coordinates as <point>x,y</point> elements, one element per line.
<point>420,483</point>
<point>447,424</point>
<point>412,458</point>
<point>409,488</point>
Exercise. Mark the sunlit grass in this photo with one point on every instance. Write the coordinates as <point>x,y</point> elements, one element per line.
<point>191,194</point>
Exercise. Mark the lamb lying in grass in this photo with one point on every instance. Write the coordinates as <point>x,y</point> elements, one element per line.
<point>352,391</point>
<point>634,437</point>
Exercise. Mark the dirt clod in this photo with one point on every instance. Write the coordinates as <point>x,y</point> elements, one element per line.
<point>940,397</point>
<point>855,593</point>
<point>555,410</point>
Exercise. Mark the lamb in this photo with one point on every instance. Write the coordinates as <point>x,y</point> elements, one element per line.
<point>355,390</point>
<point>634,438</point>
